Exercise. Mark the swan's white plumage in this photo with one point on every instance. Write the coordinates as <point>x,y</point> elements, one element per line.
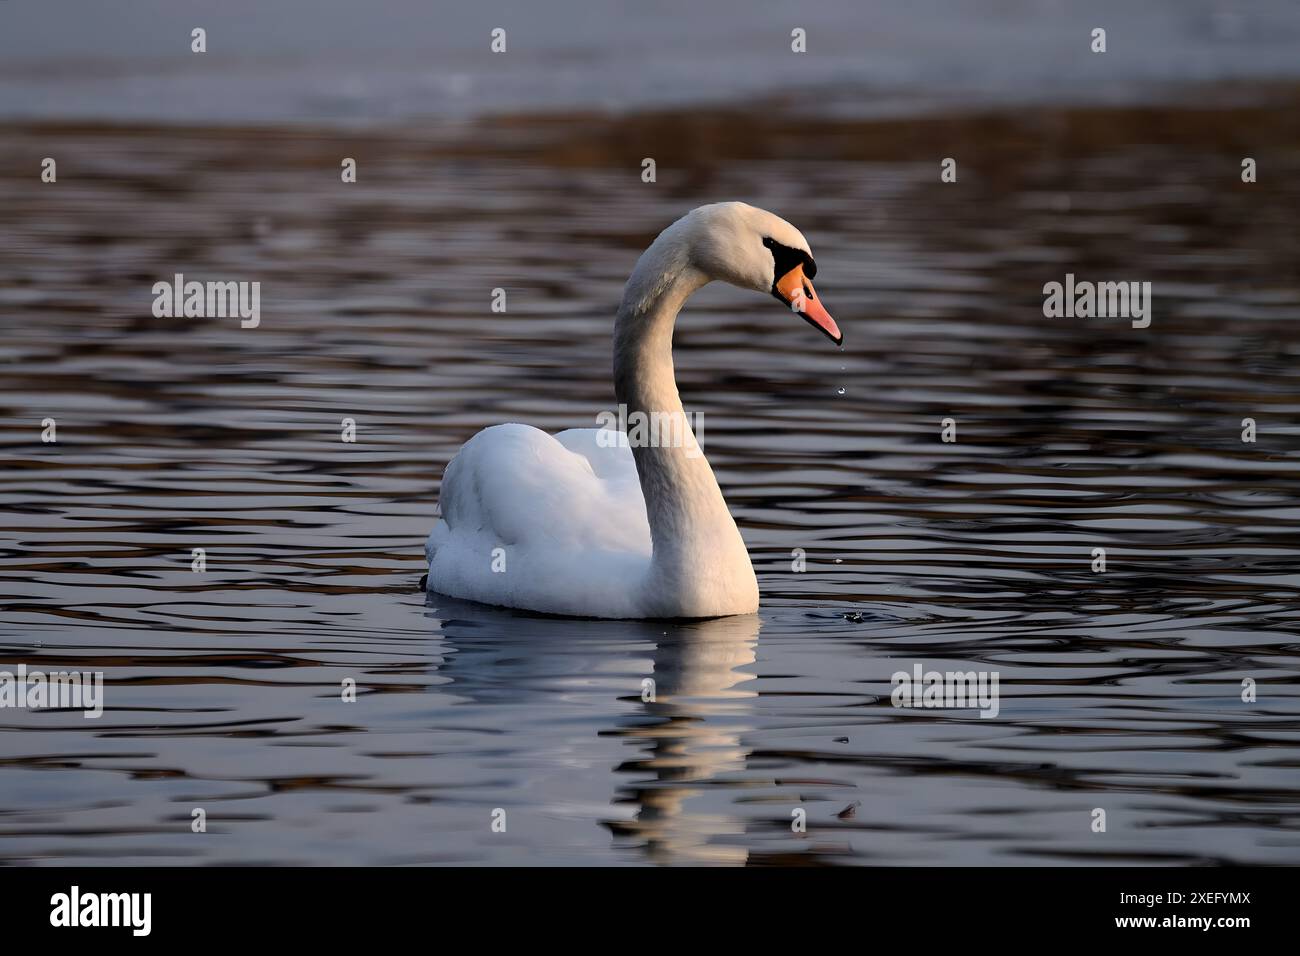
<point>578,525</point>
<point>566,511</point>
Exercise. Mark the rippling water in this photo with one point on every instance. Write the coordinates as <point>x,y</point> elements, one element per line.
<point>1120,690</point>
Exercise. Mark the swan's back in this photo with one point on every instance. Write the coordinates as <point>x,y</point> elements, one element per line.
<point>550,523</point>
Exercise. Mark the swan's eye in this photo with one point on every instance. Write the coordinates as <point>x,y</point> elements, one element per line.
<point>785,258</point>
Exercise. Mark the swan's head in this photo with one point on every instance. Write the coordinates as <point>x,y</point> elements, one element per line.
<point>753,249</point>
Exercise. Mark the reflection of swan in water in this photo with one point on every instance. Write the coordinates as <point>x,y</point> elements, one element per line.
<point>698,716</point>
<point>686,737</point>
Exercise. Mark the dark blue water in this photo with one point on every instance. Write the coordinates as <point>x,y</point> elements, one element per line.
<point>1119,690</point>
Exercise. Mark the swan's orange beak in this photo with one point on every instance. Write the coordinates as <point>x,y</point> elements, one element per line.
<point>796,291</point>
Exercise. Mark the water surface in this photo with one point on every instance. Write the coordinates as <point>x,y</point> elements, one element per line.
<point>1119,690</point>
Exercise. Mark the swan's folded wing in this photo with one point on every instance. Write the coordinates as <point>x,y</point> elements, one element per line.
<point>606,451</point>
<point>513,485</point>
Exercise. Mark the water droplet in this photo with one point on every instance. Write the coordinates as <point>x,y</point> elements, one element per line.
<point>841,390</point>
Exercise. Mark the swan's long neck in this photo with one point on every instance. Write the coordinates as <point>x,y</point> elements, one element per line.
<point>697,547</point>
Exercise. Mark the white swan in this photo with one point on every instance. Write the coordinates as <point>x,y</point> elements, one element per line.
<point>599,523</point>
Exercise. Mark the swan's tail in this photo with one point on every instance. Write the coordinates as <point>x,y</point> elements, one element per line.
<point>434,540</point>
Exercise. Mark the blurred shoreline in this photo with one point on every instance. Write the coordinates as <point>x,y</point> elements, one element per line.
<point>333,63</point>
<point>1224,117</point>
